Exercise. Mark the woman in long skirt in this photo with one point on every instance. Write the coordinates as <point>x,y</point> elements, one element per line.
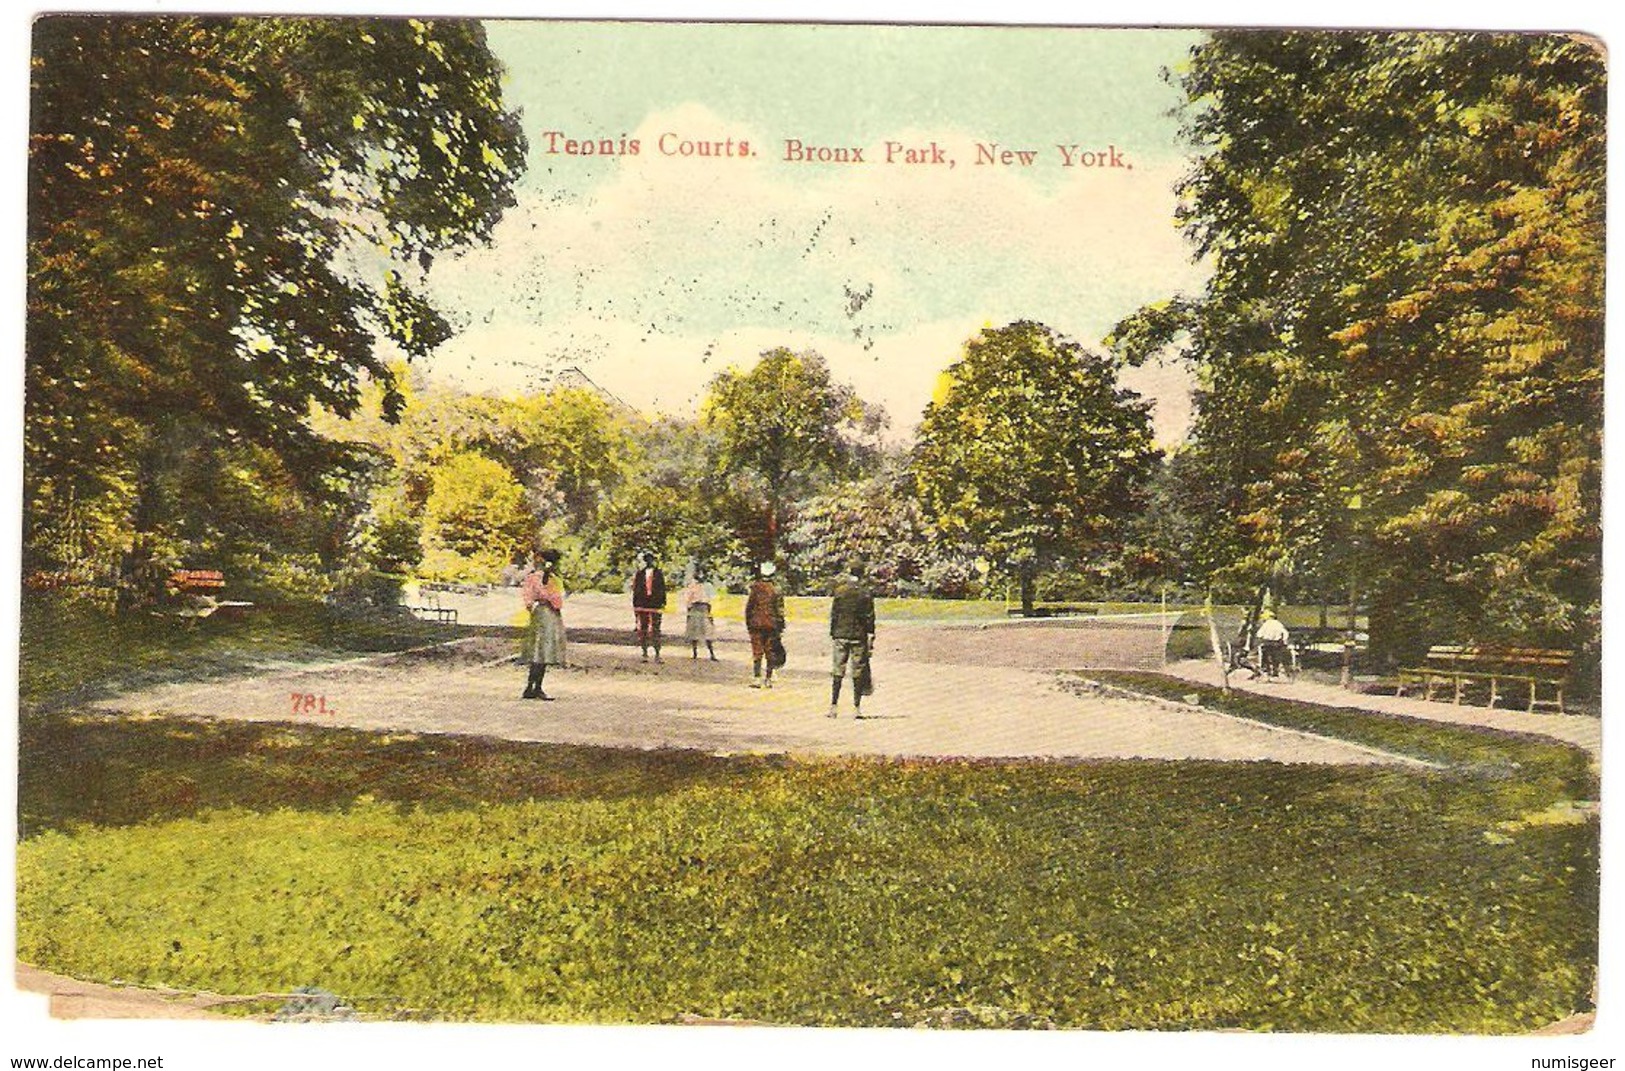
<point>696,599</point>
<point>543,594</point>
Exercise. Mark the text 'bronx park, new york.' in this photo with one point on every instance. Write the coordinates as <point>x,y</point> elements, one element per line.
<point>1021,528</point>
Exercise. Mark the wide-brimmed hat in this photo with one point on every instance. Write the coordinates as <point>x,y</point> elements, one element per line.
<point>768,569</point>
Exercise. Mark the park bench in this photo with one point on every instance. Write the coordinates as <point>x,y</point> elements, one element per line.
<point>197,591</point>
<point>1327,646</point>
<point>440,615</point>
<point>1052,610</point>
<point>1325,640</point>
<point>430,608</point>
<point>1461,667</point>
<point>437,587</point>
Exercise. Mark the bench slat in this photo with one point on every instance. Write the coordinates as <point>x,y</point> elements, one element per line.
<point>1458,664</point>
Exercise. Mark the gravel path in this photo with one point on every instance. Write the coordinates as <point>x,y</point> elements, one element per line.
<point>1580,730</point>
<point>966,691</point>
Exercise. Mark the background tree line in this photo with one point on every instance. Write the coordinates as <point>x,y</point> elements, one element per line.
<point>1398,351</point>
<point>229,218</point>
<point>781,462</point>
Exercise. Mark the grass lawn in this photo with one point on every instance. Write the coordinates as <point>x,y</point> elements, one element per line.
<point>464,878</point>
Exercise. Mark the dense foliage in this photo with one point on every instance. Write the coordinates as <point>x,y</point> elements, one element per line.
<point>226,215</point>
<point>1398,351</point>
<point>1032,452</point>
<point>783,427</point>
<point>1400,345</point>
<point>877,524</point>
<point>472,481</point>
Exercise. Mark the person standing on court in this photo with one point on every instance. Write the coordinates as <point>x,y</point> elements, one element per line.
<point>852,637</point>
<point>649,604</point>
<point>543,595</point>
<point>764,620</point>
<point>696,600</point>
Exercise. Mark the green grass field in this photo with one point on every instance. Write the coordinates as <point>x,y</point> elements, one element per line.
<point>465,878</point>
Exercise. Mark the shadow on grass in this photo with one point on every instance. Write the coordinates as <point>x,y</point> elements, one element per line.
<point>1119,894</point>
<point>1114,894</point>
<point>118,770</point>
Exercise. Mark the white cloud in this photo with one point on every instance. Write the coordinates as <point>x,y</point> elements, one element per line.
<point>670,267</point>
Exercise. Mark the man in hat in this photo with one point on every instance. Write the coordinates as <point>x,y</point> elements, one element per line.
<point>852,636</point>
<point>648,604</point>
<point>764,619</point>
<point>1272,641</point>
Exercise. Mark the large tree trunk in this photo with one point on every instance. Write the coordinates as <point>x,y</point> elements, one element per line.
<point>1255,613</point>
<point>1027,591</point>
<point>140,579</point>
<point>139,582</point>
<point>1217,644</point>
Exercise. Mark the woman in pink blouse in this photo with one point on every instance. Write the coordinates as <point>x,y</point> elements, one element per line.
<point>543,595</point>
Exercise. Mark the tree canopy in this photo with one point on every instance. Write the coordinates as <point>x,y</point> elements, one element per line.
<point>226,216</point>
<point>1031,450</point>
<point>1400,345</point>
<point>476,510</point>
<point>781,428</point>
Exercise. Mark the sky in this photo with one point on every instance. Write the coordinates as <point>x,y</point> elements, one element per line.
<point>718,239</point>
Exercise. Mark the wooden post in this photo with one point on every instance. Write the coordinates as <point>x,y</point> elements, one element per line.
<point>1350,639</point>
<point>1218,647</point>
<point>1165,628</point>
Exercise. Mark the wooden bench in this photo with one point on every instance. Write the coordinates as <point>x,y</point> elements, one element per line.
<point>1461,666</point>
<point>197,581</point>
<point>197,592</point>
<point>1328,640</point>
<point>430,608</point>
<point>1053,610</point>
<point>437,587</point>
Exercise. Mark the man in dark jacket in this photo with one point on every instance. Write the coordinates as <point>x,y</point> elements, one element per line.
<point>852,635</point>
<point>764,620</point>
<point>649,604</point>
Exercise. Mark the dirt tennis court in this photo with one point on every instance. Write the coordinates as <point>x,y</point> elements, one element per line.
<point>993,690</point>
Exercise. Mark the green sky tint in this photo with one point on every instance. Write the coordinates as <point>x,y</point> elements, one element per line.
<point>653,272</point>
<point>838,82</point>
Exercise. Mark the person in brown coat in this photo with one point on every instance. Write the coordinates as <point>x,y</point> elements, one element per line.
<point>764,619</point>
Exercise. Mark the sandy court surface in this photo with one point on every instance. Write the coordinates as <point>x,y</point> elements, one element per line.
<point>941,691</point>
